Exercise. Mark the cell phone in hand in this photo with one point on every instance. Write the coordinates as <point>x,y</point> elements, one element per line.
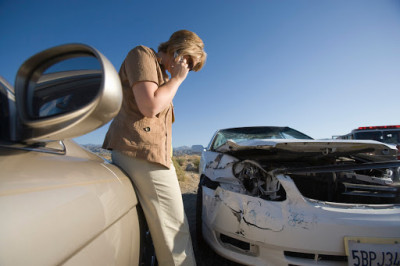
<point>189,61</point>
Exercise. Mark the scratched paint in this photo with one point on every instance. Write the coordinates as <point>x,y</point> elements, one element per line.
<point>302,220</point>
<point>251,211</point>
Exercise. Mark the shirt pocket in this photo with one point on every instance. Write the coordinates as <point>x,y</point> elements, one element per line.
<point>149,130</point>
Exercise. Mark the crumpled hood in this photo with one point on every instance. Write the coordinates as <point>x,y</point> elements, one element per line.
<point>323,147</point>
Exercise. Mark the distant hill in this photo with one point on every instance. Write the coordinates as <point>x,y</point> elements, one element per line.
<point>98,150</point>
<point>195,149</point>
<point>178,151</point>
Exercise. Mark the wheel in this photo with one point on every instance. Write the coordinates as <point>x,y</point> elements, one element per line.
<point>147,252</point>
<point>199,212</point>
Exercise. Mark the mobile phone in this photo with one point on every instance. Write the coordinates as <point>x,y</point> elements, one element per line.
<point>189,61</point>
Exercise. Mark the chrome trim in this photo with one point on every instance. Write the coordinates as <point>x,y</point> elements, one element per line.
<point>31,147</point>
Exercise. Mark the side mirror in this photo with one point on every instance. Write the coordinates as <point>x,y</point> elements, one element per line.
<point>65,92</point>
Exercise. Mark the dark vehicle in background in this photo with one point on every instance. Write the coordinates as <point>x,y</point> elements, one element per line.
<point>274,196</point>
<point>387,134</point>
<point>59,203</point>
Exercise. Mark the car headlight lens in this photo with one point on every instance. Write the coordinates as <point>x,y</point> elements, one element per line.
<point>256,180</point>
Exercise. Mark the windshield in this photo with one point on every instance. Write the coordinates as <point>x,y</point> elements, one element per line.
<point>386,136</point>
<point>248,133</point>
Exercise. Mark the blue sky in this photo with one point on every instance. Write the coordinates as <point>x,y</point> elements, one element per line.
<point>321,67</point>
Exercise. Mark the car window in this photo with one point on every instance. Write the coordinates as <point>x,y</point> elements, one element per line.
<point>219,140</point>
<point>372,135</point>
<point>392,136</point>
<point>290,133</point>
<point>3,112</point>
<point>386,136</point>
<point>7,109</point>
<point>248,133</point>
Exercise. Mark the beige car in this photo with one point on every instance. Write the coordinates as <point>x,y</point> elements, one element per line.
<point>59,203</point>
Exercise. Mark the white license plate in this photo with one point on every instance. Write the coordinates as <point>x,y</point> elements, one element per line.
<point>372,251</point>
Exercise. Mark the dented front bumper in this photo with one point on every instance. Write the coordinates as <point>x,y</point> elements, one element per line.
<point>298,230</point>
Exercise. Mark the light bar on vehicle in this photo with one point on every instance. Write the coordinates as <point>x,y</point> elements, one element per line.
<point>379,127</point>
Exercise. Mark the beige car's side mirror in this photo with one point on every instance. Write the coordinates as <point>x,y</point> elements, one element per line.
<point>65,92</point>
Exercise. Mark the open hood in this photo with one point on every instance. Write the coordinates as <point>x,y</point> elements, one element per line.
<point>296,148</point>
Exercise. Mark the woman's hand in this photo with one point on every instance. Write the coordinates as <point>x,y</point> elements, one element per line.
<point>179,68</point>
<point>152,99</point>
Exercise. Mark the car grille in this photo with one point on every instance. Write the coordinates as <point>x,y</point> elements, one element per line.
<point>245,246</point>
<point>315,257</point>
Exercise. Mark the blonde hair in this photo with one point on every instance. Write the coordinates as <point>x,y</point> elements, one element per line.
<point>185,43</point>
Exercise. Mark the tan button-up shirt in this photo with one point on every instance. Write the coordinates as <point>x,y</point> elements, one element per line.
<point>132,133</point>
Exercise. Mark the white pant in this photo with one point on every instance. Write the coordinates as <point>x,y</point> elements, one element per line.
<point>160,196</point>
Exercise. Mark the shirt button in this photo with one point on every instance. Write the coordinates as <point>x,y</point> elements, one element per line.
<point>147,129</point>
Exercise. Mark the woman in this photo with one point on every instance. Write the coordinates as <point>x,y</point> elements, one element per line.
<point>140,138</point>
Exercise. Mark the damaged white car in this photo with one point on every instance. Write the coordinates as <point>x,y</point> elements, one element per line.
<point>274,196</point>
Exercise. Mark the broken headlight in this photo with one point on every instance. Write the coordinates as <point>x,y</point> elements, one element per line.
<point>256,180</point>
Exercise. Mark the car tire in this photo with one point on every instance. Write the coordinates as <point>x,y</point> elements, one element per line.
<point>199,213</point>
<point>147,252</point>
